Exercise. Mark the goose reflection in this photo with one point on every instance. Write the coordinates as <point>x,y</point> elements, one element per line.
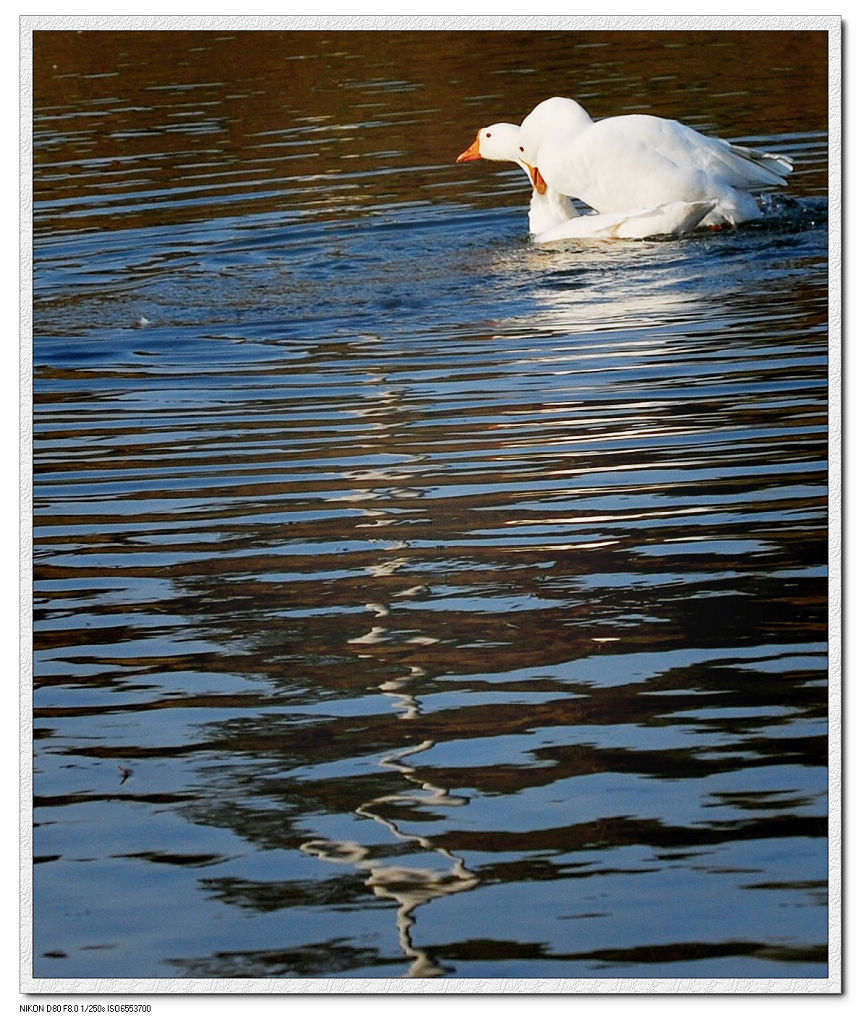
<point>409,887</point>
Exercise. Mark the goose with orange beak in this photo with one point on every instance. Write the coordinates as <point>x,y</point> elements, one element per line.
<point>642,161</point>
<point>552,215</point>
<point>501,142</point>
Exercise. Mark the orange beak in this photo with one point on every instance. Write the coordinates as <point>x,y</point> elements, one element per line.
<point>472,153</point>
<point>538,183</point>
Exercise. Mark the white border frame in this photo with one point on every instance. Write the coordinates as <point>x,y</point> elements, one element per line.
<point>331,986</point>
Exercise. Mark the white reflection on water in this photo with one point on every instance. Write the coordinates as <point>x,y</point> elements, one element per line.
<point>409,887</point>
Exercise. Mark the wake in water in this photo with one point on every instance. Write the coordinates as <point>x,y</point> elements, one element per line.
<point>784,213</point>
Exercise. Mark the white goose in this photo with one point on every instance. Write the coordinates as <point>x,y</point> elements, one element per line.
<point>640,160</point>
<point>552,215</point>
<point>501,142</point>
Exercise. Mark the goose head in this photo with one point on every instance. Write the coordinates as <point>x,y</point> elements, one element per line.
<point>501,142</point>
<point>551,118</point>
<point>495,142</point>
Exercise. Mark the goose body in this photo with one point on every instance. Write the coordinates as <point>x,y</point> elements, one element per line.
<point>642,161</point>
<point>647,222</point>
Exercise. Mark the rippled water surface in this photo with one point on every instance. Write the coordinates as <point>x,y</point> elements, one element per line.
<point>412,601</point>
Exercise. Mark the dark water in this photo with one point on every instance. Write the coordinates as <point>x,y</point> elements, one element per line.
<point>411,601</point>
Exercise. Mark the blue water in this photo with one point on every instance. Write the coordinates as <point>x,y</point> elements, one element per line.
<point>411,601</point>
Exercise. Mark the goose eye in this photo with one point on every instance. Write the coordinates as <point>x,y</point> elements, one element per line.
<point>487,135</point>
<point>521,149</point>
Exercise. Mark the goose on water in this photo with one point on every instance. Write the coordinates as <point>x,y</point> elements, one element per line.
<point>639,160</point>
<point>501,142</point>
<point>552,215</point>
